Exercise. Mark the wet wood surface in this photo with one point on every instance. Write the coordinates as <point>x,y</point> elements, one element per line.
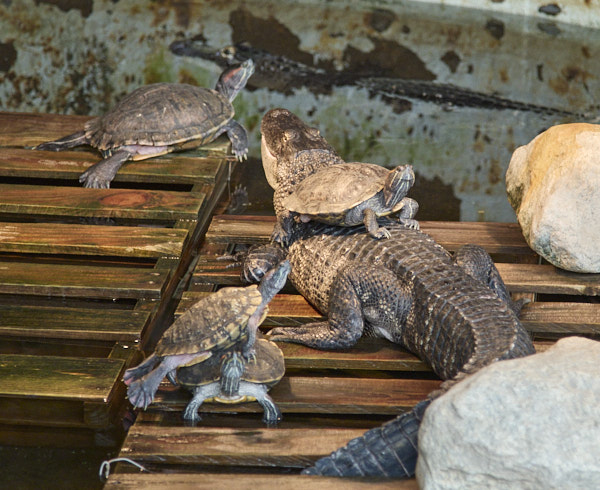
<point>87,274</point>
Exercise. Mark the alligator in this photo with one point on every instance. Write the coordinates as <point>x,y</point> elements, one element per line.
<point>280,73</point>
<point>453,312</point>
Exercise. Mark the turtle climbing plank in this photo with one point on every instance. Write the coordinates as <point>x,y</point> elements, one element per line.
<point>87,274</point>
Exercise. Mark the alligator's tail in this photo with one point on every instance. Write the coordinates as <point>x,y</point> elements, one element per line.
<point>389,450</point>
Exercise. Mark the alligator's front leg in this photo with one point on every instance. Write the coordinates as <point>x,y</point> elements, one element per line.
<point>360,296</point>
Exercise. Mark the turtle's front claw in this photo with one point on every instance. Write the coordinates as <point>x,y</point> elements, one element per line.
<point>410,223</point>
<point>381,233</point>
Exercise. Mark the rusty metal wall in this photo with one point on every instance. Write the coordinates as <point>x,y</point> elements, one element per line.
<point>80,56</point>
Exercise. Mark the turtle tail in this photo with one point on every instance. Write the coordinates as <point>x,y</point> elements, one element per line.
<point>389,450</point>
<point>70,141</point>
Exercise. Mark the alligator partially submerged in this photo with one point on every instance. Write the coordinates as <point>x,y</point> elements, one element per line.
<point>454,313</point>
<point>283,74</point>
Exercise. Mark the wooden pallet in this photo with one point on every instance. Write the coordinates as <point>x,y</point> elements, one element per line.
<point>87,274</point>
<point>327,398</point>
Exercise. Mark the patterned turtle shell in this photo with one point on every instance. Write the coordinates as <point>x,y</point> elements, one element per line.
<point>216,322</point>
<point>161,114</point>
<point>334,190</point>
<point>268,368</point>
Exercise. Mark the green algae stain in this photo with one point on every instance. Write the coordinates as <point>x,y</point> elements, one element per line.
<point>158,68</point>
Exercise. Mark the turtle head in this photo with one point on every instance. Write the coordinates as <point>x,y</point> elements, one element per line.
<point>234,79</point>
<point>274,280</point>
<point>397,184</point>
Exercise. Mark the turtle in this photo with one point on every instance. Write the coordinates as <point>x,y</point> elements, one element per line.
<point>223,321</point>
<point>204,381</point>
<point>159,118</point>
<point>350,194</point>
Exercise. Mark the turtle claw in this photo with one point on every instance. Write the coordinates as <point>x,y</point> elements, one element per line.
<point>138,396</point>
<point>413,224</point>
<point>381,233</point>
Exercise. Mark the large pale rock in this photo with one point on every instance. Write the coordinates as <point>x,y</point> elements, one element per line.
<point>553,184</point>
<point>528,423</point>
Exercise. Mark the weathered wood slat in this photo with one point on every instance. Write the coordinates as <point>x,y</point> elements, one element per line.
<point>561,317</point>
<point>175,168</point>
<point>77,280</point>
<point>179,481</point>
<point>122,241</point>
<point>494,237</point>
<point>29,129</point>
<point>321,395</point>
<point>71,323</point>
<point>61,378</point>
<point>548,279</point>
<point>104,203</point>
<point>292,448</point>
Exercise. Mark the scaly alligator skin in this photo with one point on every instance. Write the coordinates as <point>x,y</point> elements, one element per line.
<point>284,75</point>
<point>454,314</point>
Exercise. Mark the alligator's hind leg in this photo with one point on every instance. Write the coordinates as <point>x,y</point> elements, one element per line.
<point>476,262</point>
<point>360,297</point>
<point>70,141</point>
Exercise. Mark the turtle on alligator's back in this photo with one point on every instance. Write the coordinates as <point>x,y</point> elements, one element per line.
<point>456,314</point>
<point>223,323</point>
<point>160,118</point>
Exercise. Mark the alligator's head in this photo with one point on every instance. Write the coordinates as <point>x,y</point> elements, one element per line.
<point>284,137</point>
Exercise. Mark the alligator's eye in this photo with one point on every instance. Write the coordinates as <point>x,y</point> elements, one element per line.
<point>290,134</point>
<point>228,52</point>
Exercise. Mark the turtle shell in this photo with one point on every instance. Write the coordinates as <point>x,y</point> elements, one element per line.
<point>161,114</point>
<point>215,322</point>
<point>268,368</point>
<point>336,189</point>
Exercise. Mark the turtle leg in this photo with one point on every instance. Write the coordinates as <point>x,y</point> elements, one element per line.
<point>355,300</point>
<point>272,414</point>
<point>239,139</point>
<point>201,393</point>
<point>70,141</point>
<point>232,369</point>
<point>101,174</point>
<point>408,212</point>
<point>140,370</point>
<point>370,221</point>
<point>141,391</point>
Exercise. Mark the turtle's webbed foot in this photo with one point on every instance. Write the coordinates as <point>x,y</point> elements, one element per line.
<point>93,181</point>
<point>241,155</point>
<point>138,395</point>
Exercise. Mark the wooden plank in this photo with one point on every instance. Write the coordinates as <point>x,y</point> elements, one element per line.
<point>548,279</point>
<point>122,241</point>
<point>186,481</point>
<point>78,280</point>
<point>72,323</point>
<point>176,168</point>
<point>561,318</point>
<point>494,237</point>
<point>104,203</point>
<point>320,395</point>
<point>292,448</point>
<point>60,378</point>
<point>30,129</point>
